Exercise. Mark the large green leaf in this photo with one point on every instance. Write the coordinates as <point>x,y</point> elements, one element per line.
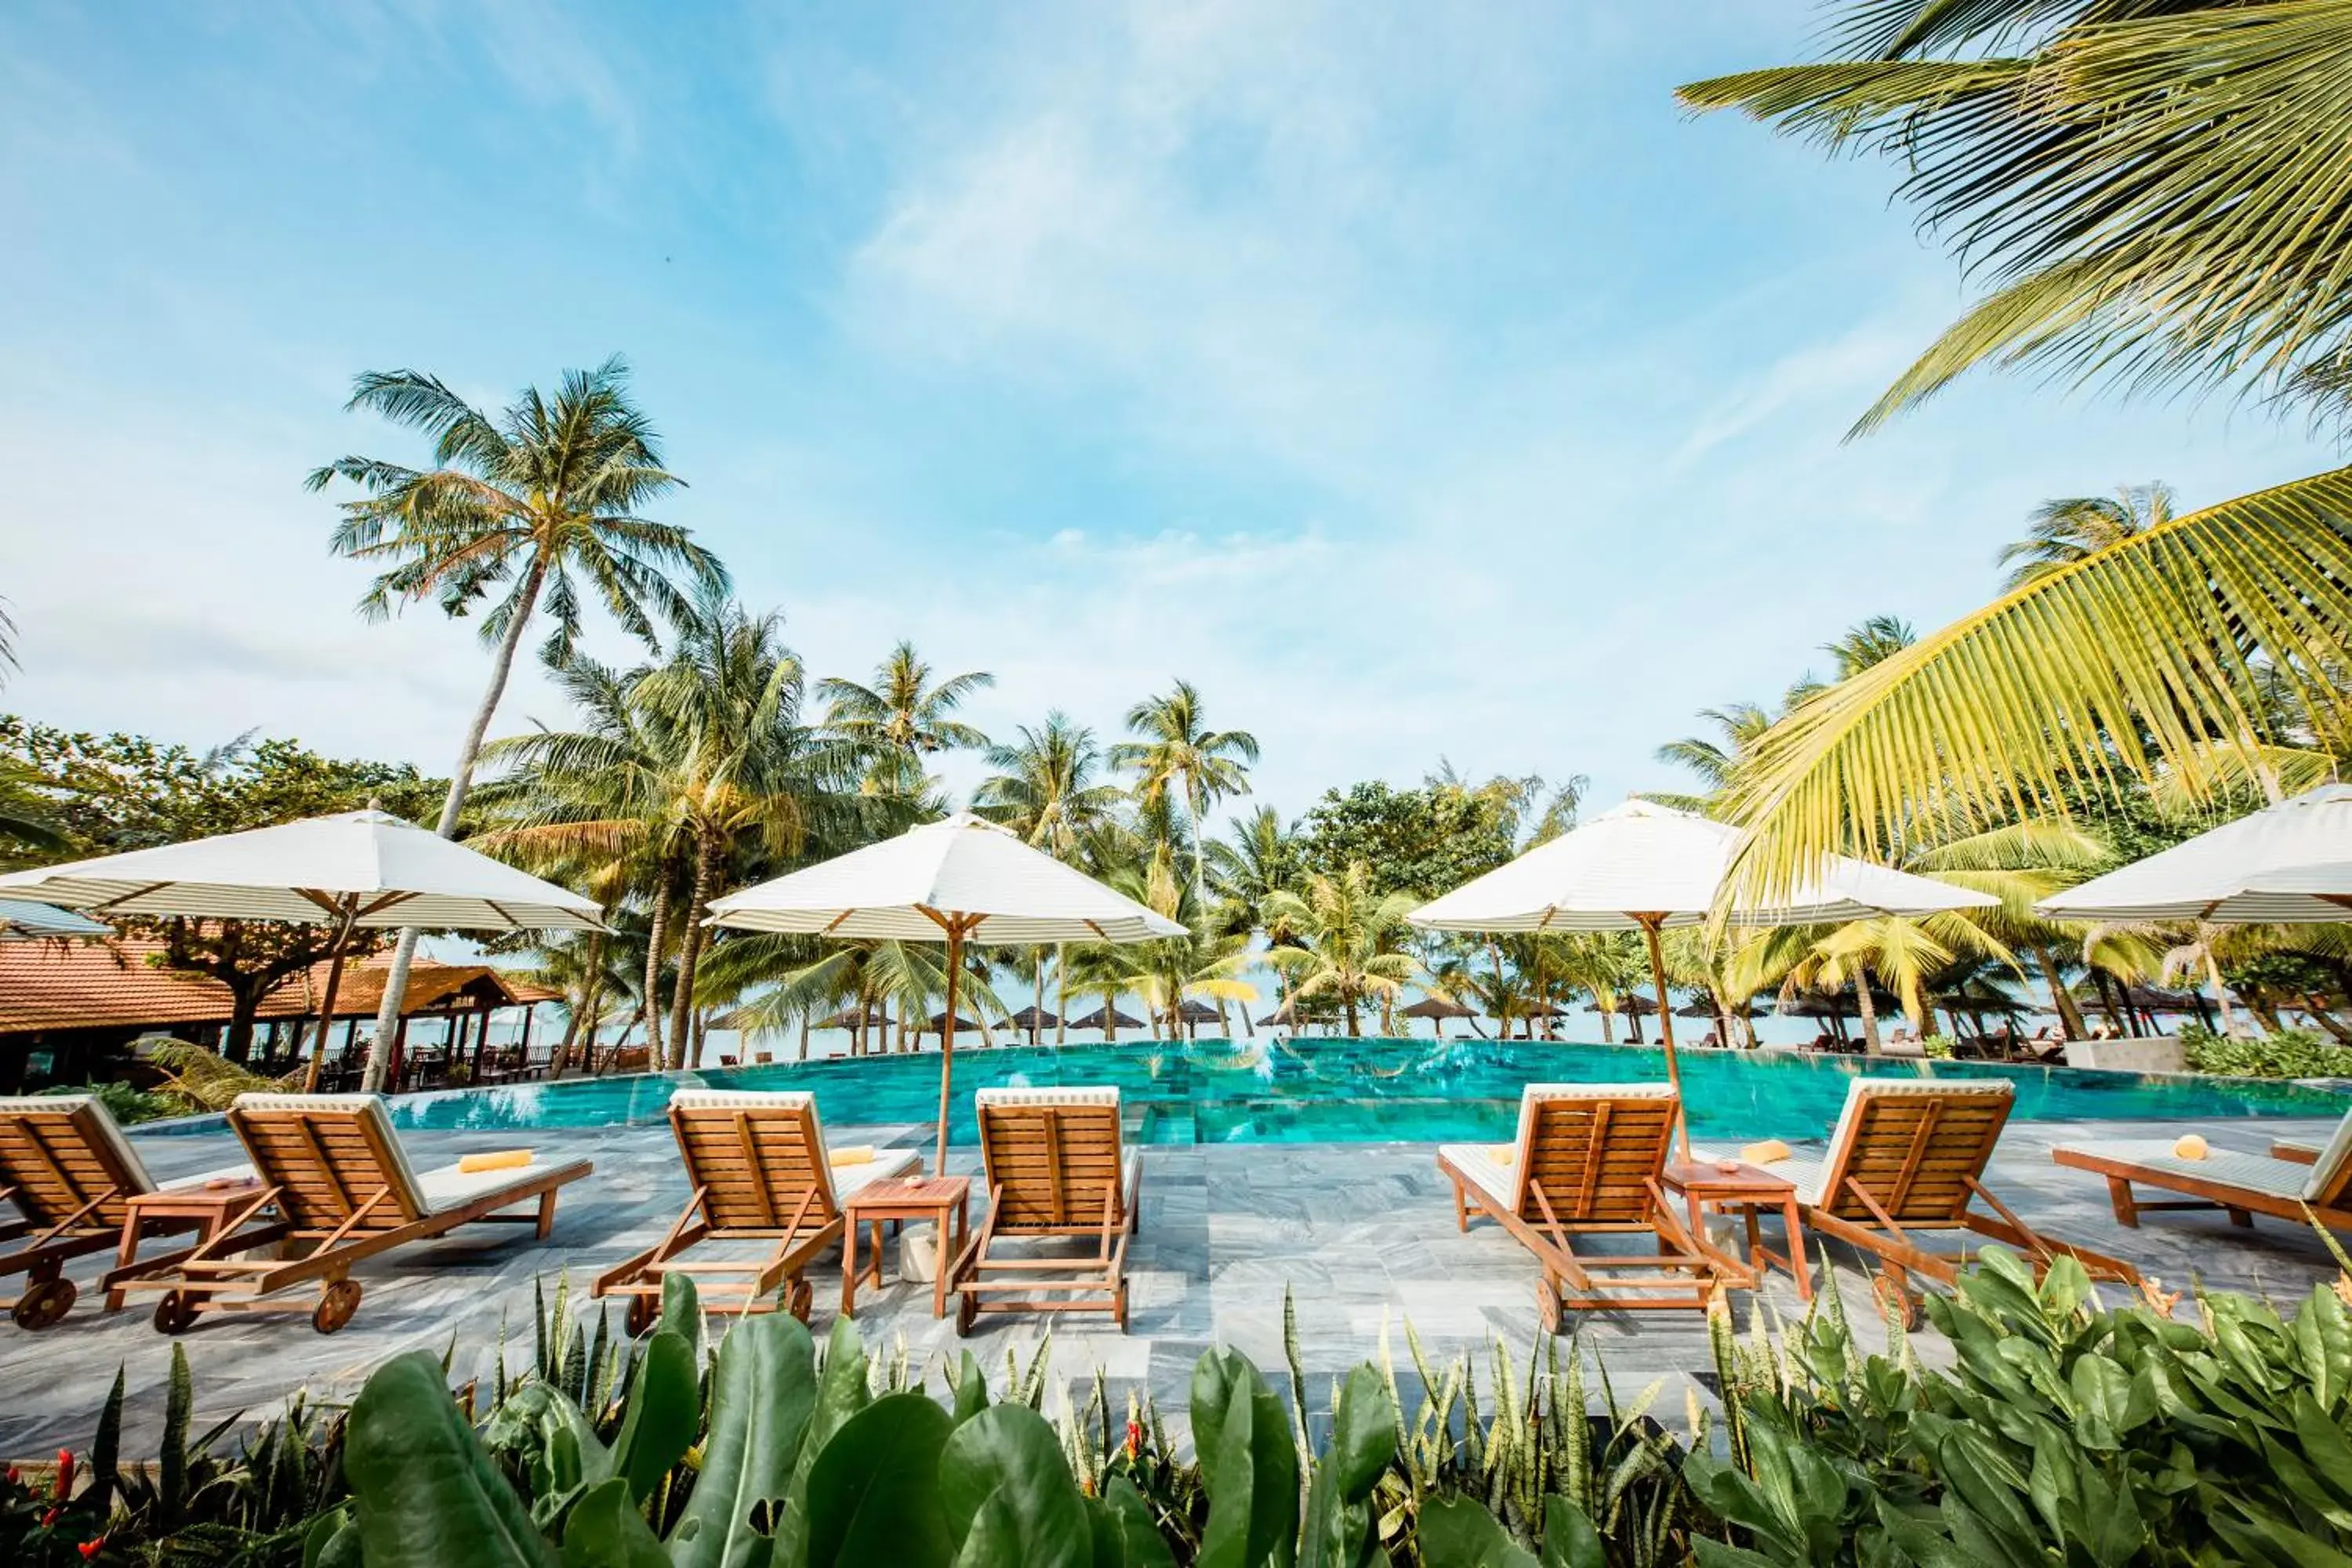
<point>603,1530</point>
<point>761,1393</point>
<point>1569,1539</point>
<point>840,1394</point>
<point>1339,1530</point>
<point>2146,651</point>
<point>1124,1535</point>
<point>1459,1532</point>
<point>874,1490</point>
<point>665,1409</point>
<point>427,1495</point>
<point>1007,1494</point>
<point>1249,1465</point>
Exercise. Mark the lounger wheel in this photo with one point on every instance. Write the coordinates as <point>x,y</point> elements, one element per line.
<point>336,1305</point>
<point>44,1303</point>
<point>1895,1299</point>
<point>800,1299</point>
<point>176,1313</point>
<point>643,1311</point>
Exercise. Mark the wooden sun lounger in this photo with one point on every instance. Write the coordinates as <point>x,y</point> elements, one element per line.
<point>1908,1155</point>
<point>2298,1181</point>
<point>759,1173</point>
<point>71,1174</point>
<point>1587,1161</point>
<point>332,1171</point>
<point>1054,1166</point>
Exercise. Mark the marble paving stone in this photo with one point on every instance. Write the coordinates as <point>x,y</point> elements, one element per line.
<point>1363,1234</point>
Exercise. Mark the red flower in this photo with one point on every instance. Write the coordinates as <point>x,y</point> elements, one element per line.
<point>48,1518</point>
<point>65,1473</point>
<point>1134,1437</point>
<point>11,1475</point>
<point>91,1548</point>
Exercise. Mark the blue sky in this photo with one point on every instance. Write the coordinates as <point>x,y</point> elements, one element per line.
<point>1416,380</point>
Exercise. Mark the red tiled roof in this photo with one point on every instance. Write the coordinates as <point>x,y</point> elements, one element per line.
<point>112,985</point>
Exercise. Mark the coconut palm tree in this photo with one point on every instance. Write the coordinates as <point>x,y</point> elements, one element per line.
<point>903,718</point>
<point>2079,527</point>
<point>1208,961</point>
<point>1350,940</point>
<point>707,754</point>
<point>2148,190</point>
<point>1717,758</point>
<point>1179,760</point>
<point>1044,790</point>
<point>1869,643</point>
<point>536,509</point>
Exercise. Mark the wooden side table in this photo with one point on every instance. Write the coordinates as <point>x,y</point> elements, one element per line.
<point>1728,1184</point>
<point>210,1210</point>
<point>939,1199</point>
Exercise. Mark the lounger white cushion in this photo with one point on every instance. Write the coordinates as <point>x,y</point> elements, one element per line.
<point>1131,1169</point>
<point>844,1180</point>
<point>446,1187</point>
<point>1494,1168</point>
<point>2254,1172</point>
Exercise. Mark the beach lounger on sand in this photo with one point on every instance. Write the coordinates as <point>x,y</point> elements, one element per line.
<point>1587,1161</point>
<point>1055,1167</point>
<point>2294,1175</point>
<point>71,1174</point>
<point>1908,1155</point>
<point>332,1169</point>
<point>759,1172</point>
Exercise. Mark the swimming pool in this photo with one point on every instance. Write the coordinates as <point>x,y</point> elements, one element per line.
<point>1243,1091</point>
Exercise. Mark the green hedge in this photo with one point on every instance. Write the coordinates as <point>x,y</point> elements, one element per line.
<point>2287,1053</point>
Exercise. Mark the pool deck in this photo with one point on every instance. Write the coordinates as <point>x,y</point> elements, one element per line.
<point>1362,1234</point>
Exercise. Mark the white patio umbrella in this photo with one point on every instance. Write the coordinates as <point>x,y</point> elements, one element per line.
<point>23,920</point>
<point>964,879</point>
<point>1644,867</point>
<point>355,868</point>
<point>2288,865</point>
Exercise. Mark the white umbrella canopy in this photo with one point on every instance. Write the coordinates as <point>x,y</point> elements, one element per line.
<point>1646,867</point>
<point>2290,864</point>
<point>379,869</point>
<point>965,879</point>
<point>354,868</point>
<point>1670,865</point>
<point>967,868</point>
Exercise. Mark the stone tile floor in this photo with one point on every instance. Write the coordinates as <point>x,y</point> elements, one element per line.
<point>1361,1235</point>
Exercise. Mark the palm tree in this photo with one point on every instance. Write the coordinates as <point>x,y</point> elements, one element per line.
<point>708,753</point>
<point>1350,940</point>
<point>1044,790</point>
<point>2079,527</point>
<point>902,719</point>
<point>1180,760</point>
<point>1717,759</point>
<point>2148,189</point>
<point>1870,643</point>
<point>519,512</point>
<point>1207,961</point>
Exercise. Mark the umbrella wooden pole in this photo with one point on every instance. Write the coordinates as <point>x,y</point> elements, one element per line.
<point>1650,924</point>
<point>327,1005</point>
<point>955,926</point>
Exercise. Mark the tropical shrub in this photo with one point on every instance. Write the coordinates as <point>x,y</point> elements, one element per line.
<point>1937,1046</point>
<point>2286,1053</point>
<point>123,1102</point>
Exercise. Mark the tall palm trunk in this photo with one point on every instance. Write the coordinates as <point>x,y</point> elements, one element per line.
<point>2070,1016</point>
<point>805,1032</point>
<point>684,1039</point>
<point>1870,1043</point>
<point>2213,977</point>
<point>1062,1003</point>
<point>656,933</point>
<point>461,780</point>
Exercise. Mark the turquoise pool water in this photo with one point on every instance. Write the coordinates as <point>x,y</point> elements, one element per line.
<point>1421,1091</point>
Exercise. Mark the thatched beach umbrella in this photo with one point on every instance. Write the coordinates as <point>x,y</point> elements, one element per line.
<point>965,879</point>
<point>1436,1009</point>
<point>351,870</point>
<point>1644,867</point>
<point>1030,1020</point>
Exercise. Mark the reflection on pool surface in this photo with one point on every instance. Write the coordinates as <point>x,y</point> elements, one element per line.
<point>1246,1091</point>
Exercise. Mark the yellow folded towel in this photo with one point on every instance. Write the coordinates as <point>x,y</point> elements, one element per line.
<point>2191,1147</point>
<point>852,1154</point>
<point>1766,1153</point>
<point>498,1160</point>
<point>1502,1153</point>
